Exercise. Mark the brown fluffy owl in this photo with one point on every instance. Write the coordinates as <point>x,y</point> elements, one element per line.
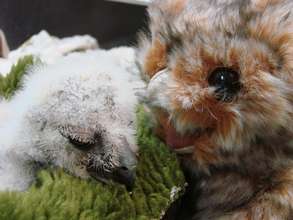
<point>220,89</point>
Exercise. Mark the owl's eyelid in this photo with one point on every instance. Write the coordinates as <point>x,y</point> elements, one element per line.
<point>78,141</point>
<point>83,146</point>
<point>78,137</point>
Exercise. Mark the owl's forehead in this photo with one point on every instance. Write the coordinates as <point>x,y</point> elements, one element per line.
<point>204,52</point>
<point>86,103</point>
<point>202,39</point>
<point>73,96</point>
<point>85,91</point>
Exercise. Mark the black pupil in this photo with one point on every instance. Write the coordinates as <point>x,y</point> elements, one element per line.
<point>226,82</point>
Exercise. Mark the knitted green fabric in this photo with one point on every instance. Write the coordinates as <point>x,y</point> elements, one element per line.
<point>57,195</point>
<point>10,83</point>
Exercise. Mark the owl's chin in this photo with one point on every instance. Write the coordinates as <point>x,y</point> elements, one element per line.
<point>181,143</point>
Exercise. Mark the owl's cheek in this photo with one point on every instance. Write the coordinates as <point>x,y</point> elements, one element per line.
<point>175,140</point>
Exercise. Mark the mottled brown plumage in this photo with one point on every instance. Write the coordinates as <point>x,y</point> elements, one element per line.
<point>220,76</point>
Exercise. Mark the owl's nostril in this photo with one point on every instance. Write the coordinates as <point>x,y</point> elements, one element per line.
<point>124,168</point>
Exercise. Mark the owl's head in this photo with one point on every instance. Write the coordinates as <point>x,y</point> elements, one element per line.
<point>219,73</point>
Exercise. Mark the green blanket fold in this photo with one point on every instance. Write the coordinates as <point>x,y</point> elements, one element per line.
<point>58,195</point>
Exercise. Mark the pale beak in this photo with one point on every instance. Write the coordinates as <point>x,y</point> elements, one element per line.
<point>184,150</point>
<point>156,93</point>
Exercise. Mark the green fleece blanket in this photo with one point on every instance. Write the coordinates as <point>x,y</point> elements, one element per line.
<point>57,195</point>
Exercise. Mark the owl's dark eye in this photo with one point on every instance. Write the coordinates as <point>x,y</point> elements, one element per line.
<point>226,81</point>
<point>81,138</point>
<point>81,145</point>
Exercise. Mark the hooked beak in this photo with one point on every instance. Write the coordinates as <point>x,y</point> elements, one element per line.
<point>124,173</point>
<point>157,96</point>
<point>159,84</point>
<point>125,176</point>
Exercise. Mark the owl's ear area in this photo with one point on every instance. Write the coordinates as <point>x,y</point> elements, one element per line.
<point>153,48</point>
<point>274,26</point>
<point>260,5</point>
<point>168,7</point>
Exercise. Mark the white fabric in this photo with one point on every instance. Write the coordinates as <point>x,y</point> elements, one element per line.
<point>47,48</point>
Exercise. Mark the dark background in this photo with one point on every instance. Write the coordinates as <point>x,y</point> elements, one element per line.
<point>111,23</point>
